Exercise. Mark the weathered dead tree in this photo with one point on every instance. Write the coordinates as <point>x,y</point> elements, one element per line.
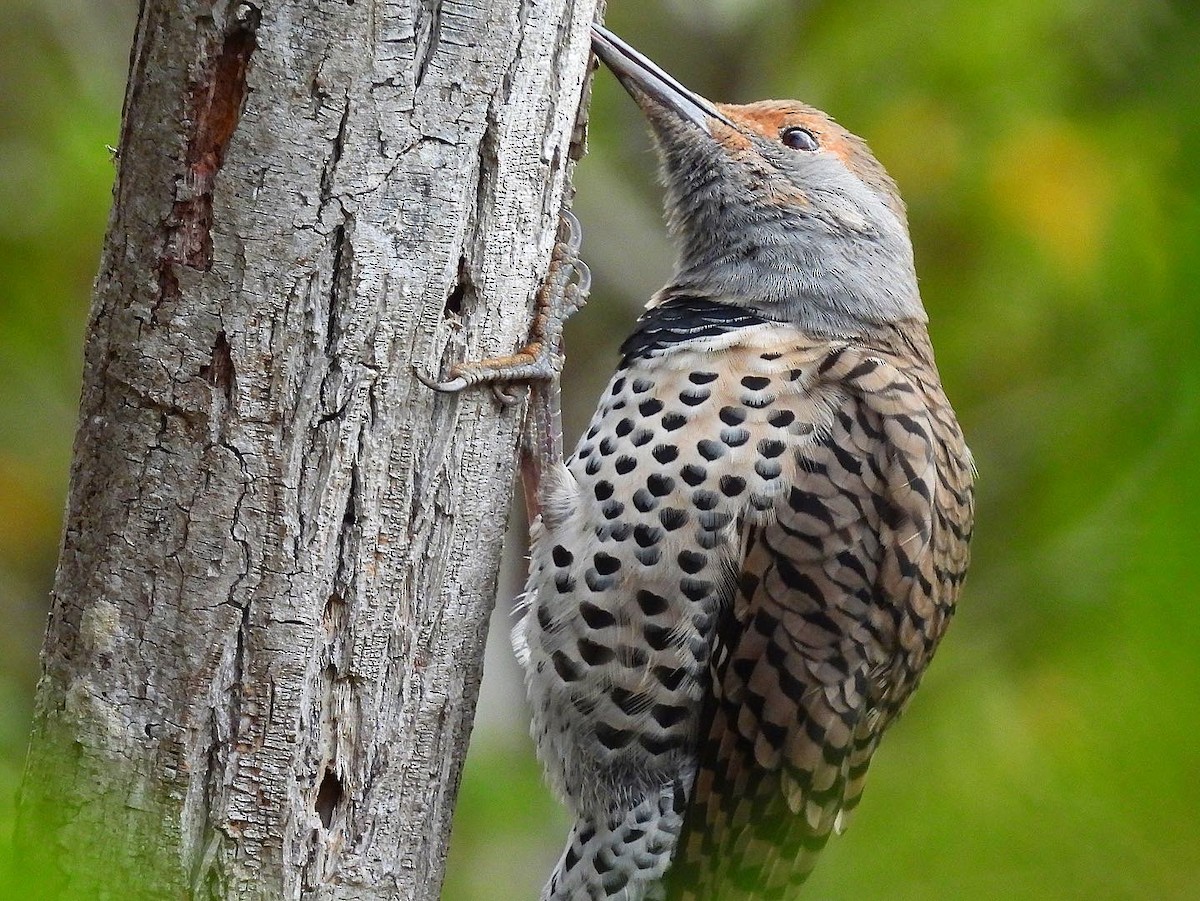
<point>280,548</point>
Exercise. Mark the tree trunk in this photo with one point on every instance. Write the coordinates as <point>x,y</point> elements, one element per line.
<point>280,549</point>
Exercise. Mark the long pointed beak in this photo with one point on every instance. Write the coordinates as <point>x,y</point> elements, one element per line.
<point>640,76</point>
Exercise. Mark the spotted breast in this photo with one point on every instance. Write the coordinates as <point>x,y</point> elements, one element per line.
<point>730,591</point>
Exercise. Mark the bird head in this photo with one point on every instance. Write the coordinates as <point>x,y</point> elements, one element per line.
<point>774,206</point>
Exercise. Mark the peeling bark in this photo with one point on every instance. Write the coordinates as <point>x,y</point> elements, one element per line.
<point>280,549</point>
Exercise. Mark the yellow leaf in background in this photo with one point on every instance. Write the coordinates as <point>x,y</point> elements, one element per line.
<point>1057,187</point>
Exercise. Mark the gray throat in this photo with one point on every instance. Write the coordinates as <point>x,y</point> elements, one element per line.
<point>819,276</point>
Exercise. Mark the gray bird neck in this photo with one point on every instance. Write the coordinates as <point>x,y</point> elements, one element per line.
<point>816,275</point>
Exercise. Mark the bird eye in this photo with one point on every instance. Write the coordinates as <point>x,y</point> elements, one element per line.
<point>799,139</point>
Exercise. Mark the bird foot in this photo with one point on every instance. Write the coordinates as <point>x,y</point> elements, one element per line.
<point>562,294</point>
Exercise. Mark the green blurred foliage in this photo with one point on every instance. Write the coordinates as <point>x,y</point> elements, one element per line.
<point>1049,151</point>
<point>62,68</point>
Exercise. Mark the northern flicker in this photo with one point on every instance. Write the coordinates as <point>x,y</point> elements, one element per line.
<point>740,575</point>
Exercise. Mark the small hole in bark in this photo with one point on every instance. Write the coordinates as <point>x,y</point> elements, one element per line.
<point>333,606</point>
<point>329,795</point>
<point>454,303</point>
<point>219,372</point>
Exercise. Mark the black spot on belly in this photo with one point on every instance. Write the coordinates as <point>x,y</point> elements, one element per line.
<point>735,437</point>
<point>644,501</point>
<point>611,738</point>
<point>612,509</point>
<point>620,530</point>
<point>566,668</point>
<point>597,582</point>
<point>633,657</point>
<point>594,654</point>
<point>770,448</point>
<point>657,637</point>
<point>647,536</point>
<point>630,702</point>
<point>714,520</point>
<point>671,677</point>
<point>660,485</point>
<point>732,486</point>
<point>761,502</point>
<point>652,604</point>
<point>648,556</point>
<point>691,562</point>
<point>732,415</point>
<point>606,564</point>
<point>672,518</point>
<point>665,453</point>
<point>768,469</point>
<point>667,715</point>
<point>596,617</point>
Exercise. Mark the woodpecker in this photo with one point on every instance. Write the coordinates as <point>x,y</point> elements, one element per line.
<point>741,573</point>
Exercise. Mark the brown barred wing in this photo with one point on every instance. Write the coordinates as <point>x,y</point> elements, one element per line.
<point>838,609</point>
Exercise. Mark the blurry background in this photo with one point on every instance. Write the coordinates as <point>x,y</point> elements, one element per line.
<point>1049,151</point>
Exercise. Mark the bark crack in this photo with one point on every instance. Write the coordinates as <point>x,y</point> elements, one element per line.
<point>329,172</point>
<point>429,35</point>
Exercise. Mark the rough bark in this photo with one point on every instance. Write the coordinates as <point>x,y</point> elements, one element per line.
<point>280,549</point>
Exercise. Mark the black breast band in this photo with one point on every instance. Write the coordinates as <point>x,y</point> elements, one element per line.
<point>683,319</point>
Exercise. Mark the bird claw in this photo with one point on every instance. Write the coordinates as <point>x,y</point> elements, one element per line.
<point>561,295</point>
<point>460,382</point>
<point>504,395</point>
<point>452,386</point>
